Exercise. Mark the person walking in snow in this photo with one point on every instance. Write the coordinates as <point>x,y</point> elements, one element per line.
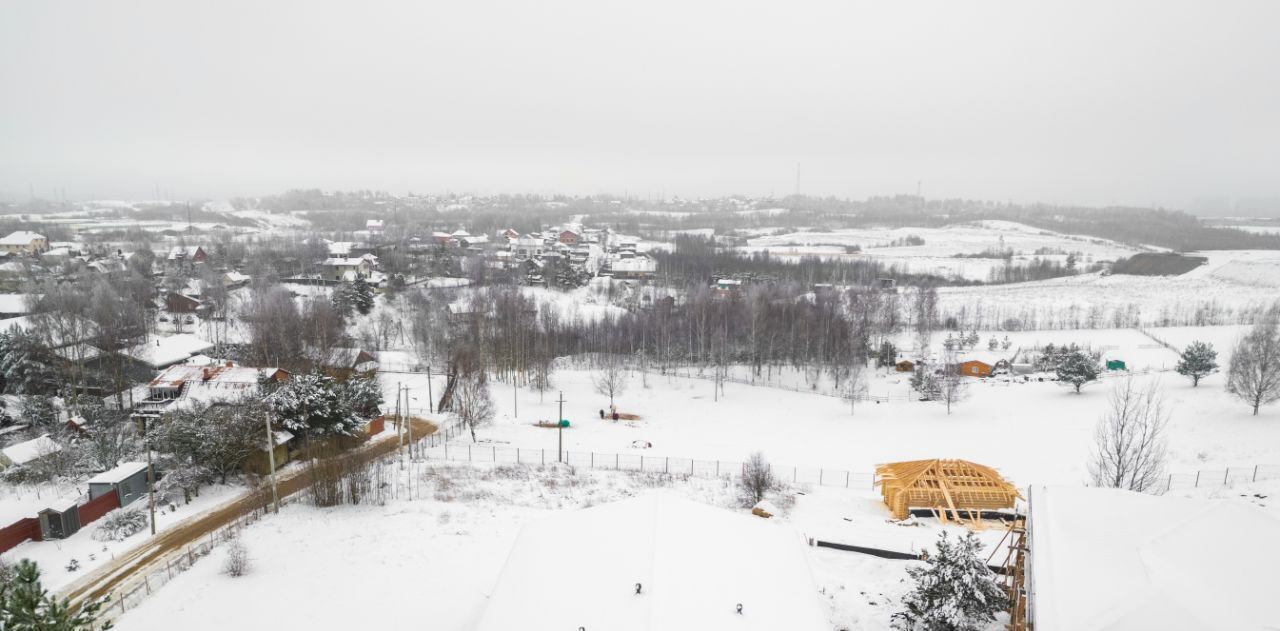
<point>602,415</point>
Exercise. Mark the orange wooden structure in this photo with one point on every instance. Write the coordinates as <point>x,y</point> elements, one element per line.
<point>953,485</point>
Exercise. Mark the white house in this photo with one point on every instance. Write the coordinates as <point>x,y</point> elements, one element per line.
<point>24,242</point>
<point>346,269</point>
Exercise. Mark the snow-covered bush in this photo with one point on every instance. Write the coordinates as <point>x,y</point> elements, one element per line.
<point>236,563</point>
<point>956,591</point>
<point>120,524</point>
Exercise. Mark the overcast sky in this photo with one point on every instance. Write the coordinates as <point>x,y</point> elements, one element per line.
<point>1101,102</point>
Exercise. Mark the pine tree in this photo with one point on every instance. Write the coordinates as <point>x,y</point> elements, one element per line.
<point>956,591</point>
<point>362,296</point>
<point>25,604</point>
<point>1077,368</point>
<point>1198,361</point>
<point>344,299</point>
<point>924,382</point>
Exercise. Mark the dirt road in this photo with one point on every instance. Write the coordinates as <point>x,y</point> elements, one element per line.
<point>103,580</point>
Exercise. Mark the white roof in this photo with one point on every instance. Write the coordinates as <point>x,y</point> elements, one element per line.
<point>166,351</point>
<point>63,505</point>
<point>24,452</point>
<point>986,357</point>
<point>21,237</point>
<point>118,474</point>
<point>695,564</point>
<point>16,303</point>
<point>340,248</point>
<point>1112,560</point>
<point>373,223</point>
<point>343,262</point>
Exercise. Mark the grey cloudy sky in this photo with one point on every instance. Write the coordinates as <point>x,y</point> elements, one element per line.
<point>1098,102</point>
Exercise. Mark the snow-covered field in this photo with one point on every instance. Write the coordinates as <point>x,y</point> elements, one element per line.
<point>438,552</point>
<point>941,245</point>
<point>1032,432</point>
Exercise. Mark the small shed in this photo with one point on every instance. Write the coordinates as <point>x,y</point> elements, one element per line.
<point>905,365</point>
<point>1116,364</point>
<point>128,480</point>
<point>60,520</point>
<point>259,461</point>
<point>943,484</point>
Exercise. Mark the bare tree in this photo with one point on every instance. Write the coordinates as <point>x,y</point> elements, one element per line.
<point>952,387</point>
<point>473,404</point>
<point>1253,374</point>
<point>857,384</point>
<point>757,479</point>
<point>1129,444</point>
<point>611,378</point>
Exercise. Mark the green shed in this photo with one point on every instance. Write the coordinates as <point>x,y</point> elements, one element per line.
<point>1115,364</point>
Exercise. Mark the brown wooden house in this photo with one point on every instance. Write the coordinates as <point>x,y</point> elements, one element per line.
<point>943,485</point>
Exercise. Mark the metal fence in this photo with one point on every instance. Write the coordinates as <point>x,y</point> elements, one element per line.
<point>1212,478</point>
<point>671,465</point>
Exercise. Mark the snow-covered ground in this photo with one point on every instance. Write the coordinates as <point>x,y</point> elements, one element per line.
<point>1032,432</point>
<point>938,254</point>
<point>435,554</point>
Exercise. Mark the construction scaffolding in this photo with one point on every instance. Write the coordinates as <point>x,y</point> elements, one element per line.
<point>944,485</point>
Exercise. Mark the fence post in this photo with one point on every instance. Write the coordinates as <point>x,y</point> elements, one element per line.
<point>495,453</point>
<point>666,465</point>
<point>820,474</point>
<point>1255,473</point>
<point>468,453</point>
<point>846,479</point>
<point>1226,476</point>
<point>518,456</point>
<point>717,468</point>
<point>1197,479</point>
<point>593,460</point>
<point>615,462</point>
<point>544,456</point>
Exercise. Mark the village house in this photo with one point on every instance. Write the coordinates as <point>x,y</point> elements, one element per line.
<point>345,269</point>
<point>24,242</point>
<point>186,387</point>
<point>27,452</point>
<point>639,268</point>
<point>343,363</point>
<point>568,237</point>
<point>982,364</point>
<point>186,254</point>
<point>376,227</point>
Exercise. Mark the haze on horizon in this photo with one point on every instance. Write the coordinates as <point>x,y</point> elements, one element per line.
<point>1132,103</point>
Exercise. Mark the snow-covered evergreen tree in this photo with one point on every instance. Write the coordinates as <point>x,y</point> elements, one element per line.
<point>362,296</point>
<point>25,364</point>
<point>956,591</point>
<point>924,382</point>
<point>1198,361</point>
<point>1077,368</point>
<point>316,405</point>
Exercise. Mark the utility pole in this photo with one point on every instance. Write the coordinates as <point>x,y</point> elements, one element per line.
<point>407,423</point>
<point>399,427</point>
<point>271,459</point>
<point>430,397</point>
<point>151,477</point>
<point>560,431</point>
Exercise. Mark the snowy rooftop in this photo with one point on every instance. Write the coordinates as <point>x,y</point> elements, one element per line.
<point>118,474</point>
<point>1106,559</point>
<point>21,237</point>
<point>166,351</point>
<point>24,452</point>
<point>695,564</point>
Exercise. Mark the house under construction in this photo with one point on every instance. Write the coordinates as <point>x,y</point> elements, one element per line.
<point>955,485</point>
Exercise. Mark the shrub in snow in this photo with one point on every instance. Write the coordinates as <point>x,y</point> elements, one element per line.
<point>1198,361</point>
<point>956,591</point>
<point>757,480</point>
<point>236,563</point>
<point>120,524</point>
<point>1078,368</point>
